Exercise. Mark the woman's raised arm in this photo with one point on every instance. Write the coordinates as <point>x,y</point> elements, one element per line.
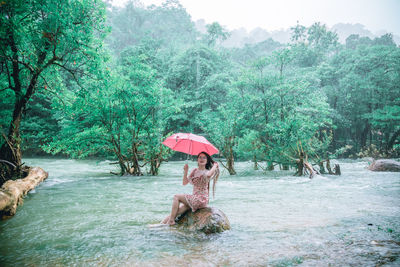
<point>211,172</point>
<point>187,180</point>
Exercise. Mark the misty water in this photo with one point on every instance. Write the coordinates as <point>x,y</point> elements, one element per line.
<point>82,215</point>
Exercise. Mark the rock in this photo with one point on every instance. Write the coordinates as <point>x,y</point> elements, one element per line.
<point>207,220</point>
<point>385,165</point>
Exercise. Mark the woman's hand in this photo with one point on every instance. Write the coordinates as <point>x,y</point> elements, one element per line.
<point>186,168</point>
<point>216,164</point>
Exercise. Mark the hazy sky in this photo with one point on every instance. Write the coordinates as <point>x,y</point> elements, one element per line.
<point>281,14</point>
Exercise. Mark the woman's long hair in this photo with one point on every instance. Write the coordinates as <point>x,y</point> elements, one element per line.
<point>209,165</point>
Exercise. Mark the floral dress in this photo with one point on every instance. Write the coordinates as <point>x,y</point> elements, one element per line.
<point>199,198</point>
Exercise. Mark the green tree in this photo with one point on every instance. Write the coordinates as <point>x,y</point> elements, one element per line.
<point>195,76</point>
<point>216,33</point>
<point>123,115</point>
<point>223,123</point>
<point>169,25</point>
<point>36,38</point>
<point>362,84</point>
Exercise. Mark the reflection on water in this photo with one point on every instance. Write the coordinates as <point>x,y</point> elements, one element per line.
<point>82,215</point>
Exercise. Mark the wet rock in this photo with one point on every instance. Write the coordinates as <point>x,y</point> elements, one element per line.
<point>385,165</point>
<point>207,220</point>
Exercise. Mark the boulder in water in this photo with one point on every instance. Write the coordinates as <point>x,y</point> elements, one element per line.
<point>207,220</point>
<point>385,165</point>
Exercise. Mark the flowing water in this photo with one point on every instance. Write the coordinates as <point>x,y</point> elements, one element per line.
<point>84,216</point>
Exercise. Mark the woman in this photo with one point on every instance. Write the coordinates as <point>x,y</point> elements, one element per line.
<point>200,179</point>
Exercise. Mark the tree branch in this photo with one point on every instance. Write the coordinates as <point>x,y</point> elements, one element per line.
<point>53,92</point>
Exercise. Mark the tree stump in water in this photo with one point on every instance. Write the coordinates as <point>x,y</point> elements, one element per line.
<point>337,170</point>
<point>207,220</point>
<point>385,165</point>
<point>12,192</point>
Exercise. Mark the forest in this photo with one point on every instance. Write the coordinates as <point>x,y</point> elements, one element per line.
<point>85,79</point>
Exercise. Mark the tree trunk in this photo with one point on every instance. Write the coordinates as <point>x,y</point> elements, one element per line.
<point>392,140</point>
<point>230,162</point>
<point>228,153</point>
<point>155,162</point>
<point>321,167</point>
<point>135,161</point>
<point>12,192</point>
<point>11,148</point>
<point>300,166</point>
<point>337,170</point>
<point>255,162</point>
<point>127,166</point>
<point>270,166</point>
<point>364,135</point>
<point>328,166</point>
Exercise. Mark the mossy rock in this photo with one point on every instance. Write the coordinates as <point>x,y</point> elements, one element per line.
<point>207,220</point>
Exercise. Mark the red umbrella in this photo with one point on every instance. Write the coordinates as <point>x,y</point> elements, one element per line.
<point>189,143</point>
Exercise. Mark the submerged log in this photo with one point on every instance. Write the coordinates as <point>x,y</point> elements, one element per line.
<point>385,165</point>
<point>12,192</point>
<point>207,220</point>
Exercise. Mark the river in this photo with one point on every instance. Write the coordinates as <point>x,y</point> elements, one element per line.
<point>84,216</point>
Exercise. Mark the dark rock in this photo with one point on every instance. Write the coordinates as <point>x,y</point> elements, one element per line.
<point>385,165</point>
<point>207,220</point>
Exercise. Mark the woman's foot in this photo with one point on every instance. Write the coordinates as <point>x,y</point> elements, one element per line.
<point>165,221</point>
<point>171,222</point>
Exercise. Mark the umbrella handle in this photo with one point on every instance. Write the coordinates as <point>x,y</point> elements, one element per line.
<point>190,151</point>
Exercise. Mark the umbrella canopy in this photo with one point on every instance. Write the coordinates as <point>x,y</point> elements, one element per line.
<point>189,143</point>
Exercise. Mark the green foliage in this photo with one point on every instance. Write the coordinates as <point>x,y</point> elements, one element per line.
<point>215,33</point>
<point>197,78</point>
<point>251,52</point>
<point>168,24</point>
<point>39,41</point>
<point>363,87</point>
<point>40,123</point>
<point>157,75</point>
<point>122,115</point>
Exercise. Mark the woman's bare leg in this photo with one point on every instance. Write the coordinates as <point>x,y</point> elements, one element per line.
<point>182,209</point>
<point>175,207</point>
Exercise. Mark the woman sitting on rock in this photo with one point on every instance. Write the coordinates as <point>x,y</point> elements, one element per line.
<point>200,179</point>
